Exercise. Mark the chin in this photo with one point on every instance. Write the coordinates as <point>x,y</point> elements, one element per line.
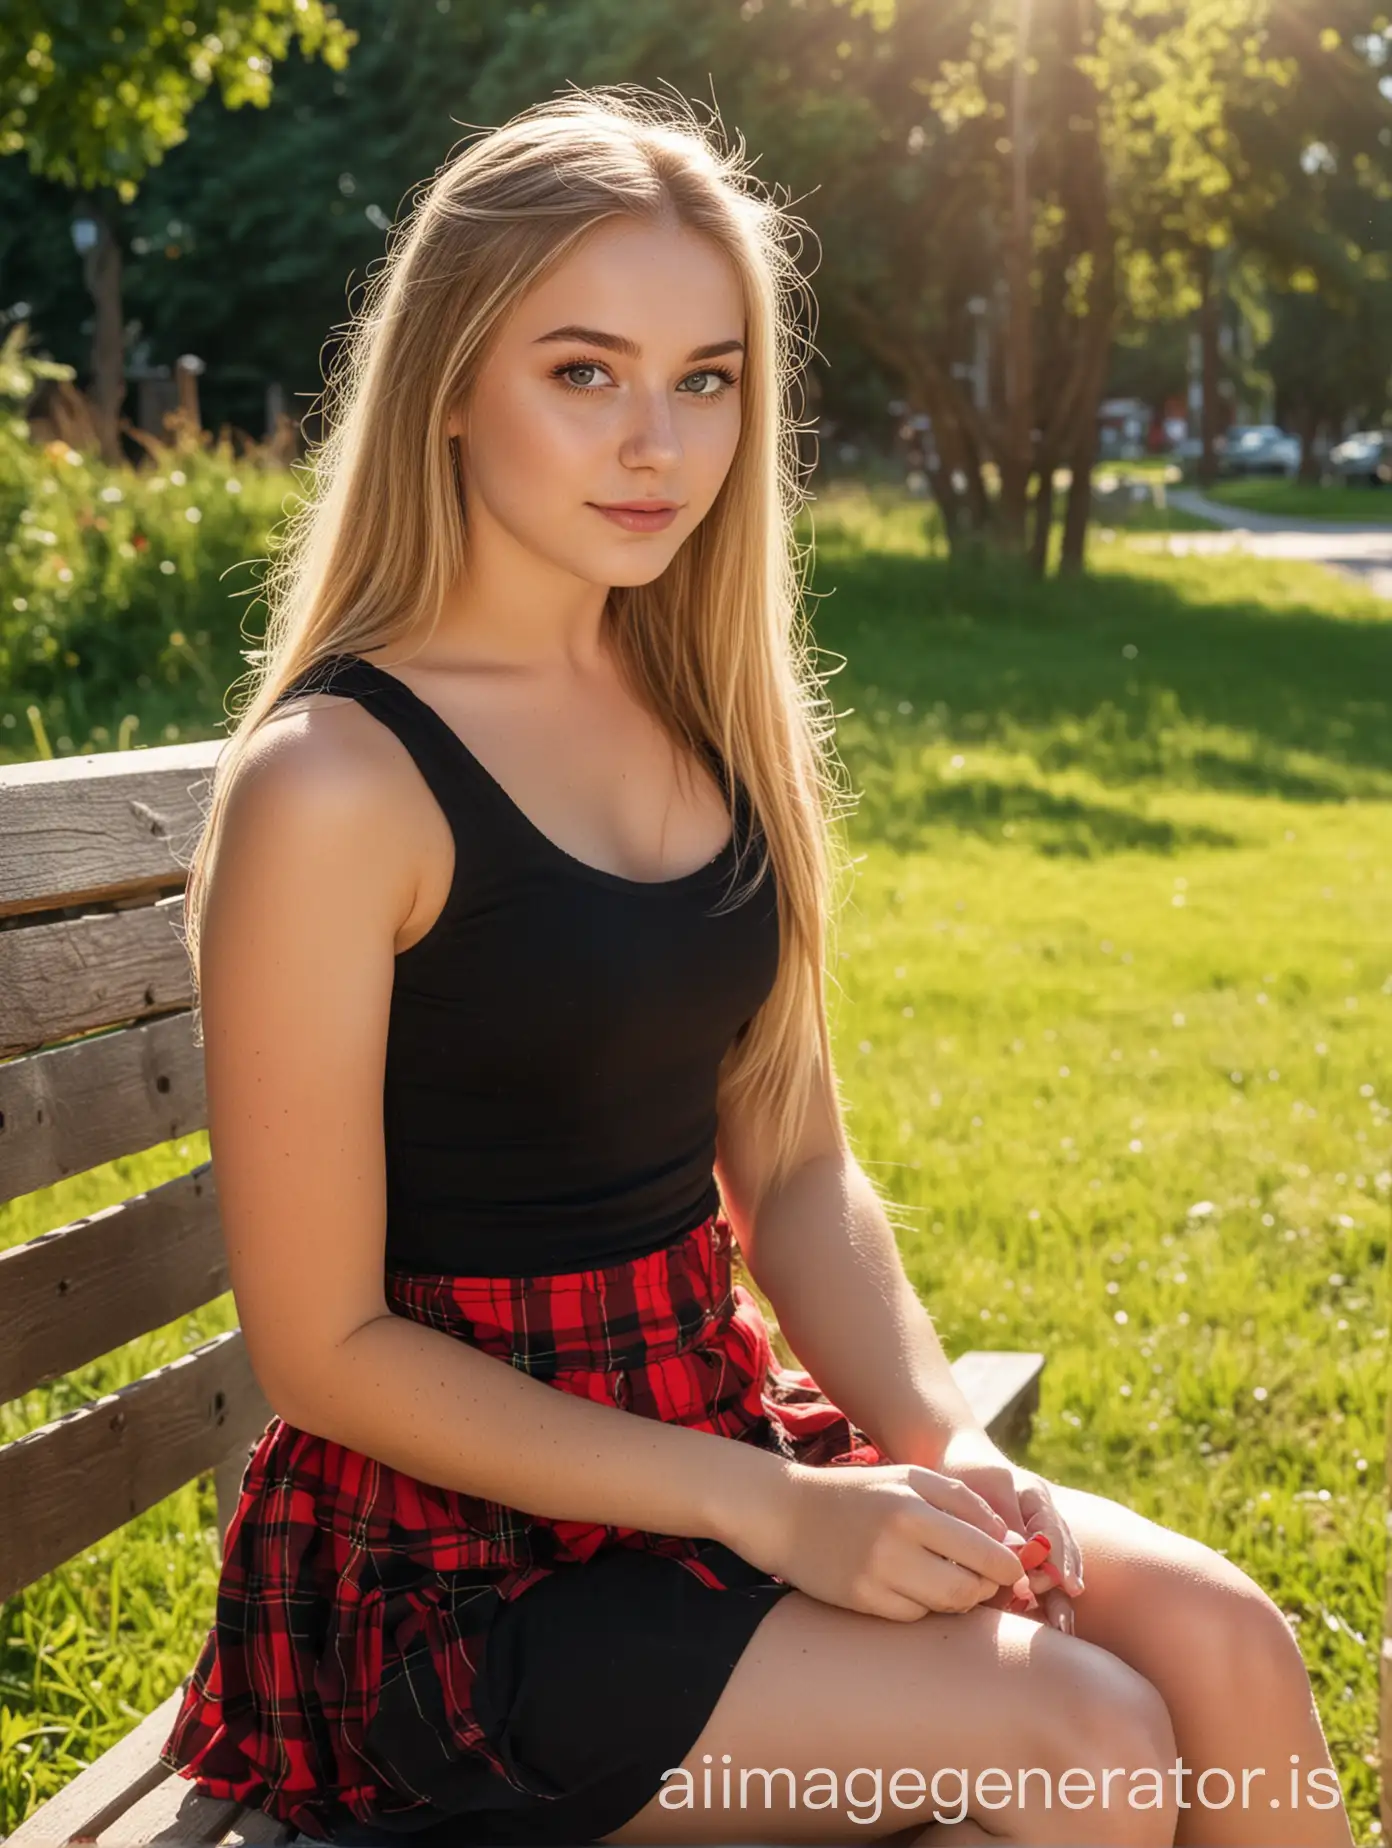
<point>621,567</point>
<point>634,576</point>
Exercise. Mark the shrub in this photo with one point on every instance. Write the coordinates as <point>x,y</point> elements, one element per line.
<point>127,594</point>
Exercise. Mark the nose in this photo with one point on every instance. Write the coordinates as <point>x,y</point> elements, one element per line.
<point>651,439</point>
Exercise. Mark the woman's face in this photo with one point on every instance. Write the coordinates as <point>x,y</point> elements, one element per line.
<point>614,382</point>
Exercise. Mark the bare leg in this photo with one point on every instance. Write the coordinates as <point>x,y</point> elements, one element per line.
<point>826,1705</point>
<point>1228,1668</point>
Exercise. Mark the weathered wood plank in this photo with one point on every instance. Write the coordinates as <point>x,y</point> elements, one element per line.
<point>96,1797</point>
<point>102,826</point>
<point>76,1293</point>
<point>59,980</point>
<point>255,1829</point>
<point>76,1479</point>
<point>173,1811</point>
<point>68,1109</point>
<point>1002,1389</point>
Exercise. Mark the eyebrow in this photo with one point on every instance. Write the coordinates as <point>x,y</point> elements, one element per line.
<point>620,343</point>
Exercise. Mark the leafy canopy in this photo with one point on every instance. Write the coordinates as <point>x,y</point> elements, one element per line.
<point>96,92</point>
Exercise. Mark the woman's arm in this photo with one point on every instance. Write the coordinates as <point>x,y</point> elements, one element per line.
<point>829,1264</point>
<point>314,881</point>
<point>822,1250</point>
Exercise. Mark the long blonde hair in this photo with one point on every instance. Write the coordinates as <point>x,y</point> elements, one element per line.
<point>718,646</point>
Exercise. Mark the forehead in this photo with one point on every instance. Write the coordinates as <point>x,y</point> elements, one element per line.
<point>666,287</point>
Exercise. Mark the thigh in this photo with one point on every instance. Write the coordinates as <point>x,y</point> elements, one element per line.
<point>827,1703</point>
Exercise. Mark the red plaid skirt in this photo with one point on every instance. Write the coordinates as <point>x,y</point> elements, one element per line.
<point>344,1677</point>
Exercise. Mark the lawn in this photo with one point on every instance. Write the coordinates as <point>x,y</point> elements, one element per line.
<point>1294,500</point>
<point>1112,999</point>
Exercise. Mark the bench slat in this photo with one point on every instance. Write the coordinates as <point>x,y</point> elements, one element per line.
<point>58,980</point>
<point>77,1293</point>
<point>75,1480</point>
<point>255,1829</point>
<point>97,1796</point>
<point>1002,1389</point>
<point>73,1107</point>
<point>174,1811</point>
<point>108,825</point>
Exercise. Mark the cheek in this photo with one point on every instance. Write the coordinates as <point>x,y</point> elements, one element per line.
<point>528,441</point>
<point>711,445</point>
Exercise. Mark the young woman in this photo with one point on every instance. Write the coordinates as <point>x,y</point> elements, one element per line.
<point>509,920</point>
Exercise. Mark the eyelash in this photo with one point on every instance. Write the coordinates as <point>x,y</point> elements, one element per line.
<point>588,391</point>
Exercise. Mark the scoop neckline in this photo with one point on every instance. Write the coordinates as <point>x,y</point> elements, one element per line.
<point>600,874</point>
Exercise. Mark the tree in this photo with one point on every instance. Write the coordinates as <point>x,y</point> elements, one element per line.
<point>94,93</point>
<point>1228,100</point>
<point>259,268</point>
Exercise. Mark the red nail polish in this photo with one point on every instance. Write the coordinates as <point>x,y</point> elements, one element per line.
<point>1035,1551</point>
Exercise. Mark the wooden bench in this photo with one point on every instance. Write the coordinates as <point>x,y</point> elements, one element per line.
<point>99,1061</point>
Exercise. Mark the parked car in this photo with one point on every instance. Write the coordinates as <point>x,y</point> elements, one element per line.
<point>1363,458</point>
<point>1258,449</point>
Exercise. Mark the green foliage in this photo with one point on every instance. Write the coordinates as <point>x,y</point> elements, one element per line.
<point>21,371</point>
<point>95,92</point>
<point>888,125</point>
<point>117,587</point>
<point>251,273</point>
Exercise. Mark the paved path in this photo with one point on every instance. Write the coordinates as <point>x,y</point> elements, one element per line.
<point>1360,550</point>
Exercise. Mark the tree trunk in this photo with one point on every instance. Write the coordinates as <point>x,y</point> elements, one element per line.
<point>967,512</point>
<point>1081,350</point>
<point>1073,556</point>
<point>1308,429</point>
<point>1042,509</point>
<point>1208,348</point>
<point>1017,457</point>
<point>978,500</point>
<point>101,268</point>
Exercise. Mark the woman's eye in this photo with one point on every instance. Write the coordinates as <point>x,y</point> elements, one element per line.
<point>579,365</point>
<point>717,380</point>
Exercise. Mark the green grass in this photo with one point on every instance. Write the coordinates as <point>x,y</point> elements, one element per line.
<point>1295,501</point>
<point>1112,1009</point>
<point>1116,989</point>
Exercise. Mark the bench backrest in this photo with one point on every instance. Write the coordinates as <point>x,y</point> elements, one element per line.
<point>98,1060</point>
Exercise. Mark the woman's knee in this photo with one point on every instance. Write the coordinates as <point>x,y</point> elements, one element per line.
<point>1239,1641</point>
<point>1108,1746</point>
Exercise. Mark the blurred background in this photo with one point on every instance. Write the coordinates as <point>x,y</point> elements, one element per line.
<point>1070,257</point>
<point>1099,453</point>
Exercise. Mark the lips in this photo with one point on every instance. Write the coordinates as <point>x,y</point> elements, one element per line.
<point>638,516</point>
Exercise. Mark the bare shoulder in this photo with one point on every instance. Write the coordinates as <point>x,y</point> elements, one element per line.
<point>325,807</point>
<point>322,750</point>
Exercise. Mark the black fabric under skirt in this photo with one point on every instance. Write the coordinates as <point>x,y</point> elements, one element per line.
<point>597,1680</point>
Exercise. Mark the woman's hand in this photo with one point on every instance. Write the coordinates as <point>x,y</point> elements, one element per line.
<point>1023,1501</point>
<point>896,1540</point>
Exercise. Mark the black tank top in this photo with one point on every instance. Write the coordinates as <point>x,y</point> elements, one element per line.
<point>554,1037</point>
